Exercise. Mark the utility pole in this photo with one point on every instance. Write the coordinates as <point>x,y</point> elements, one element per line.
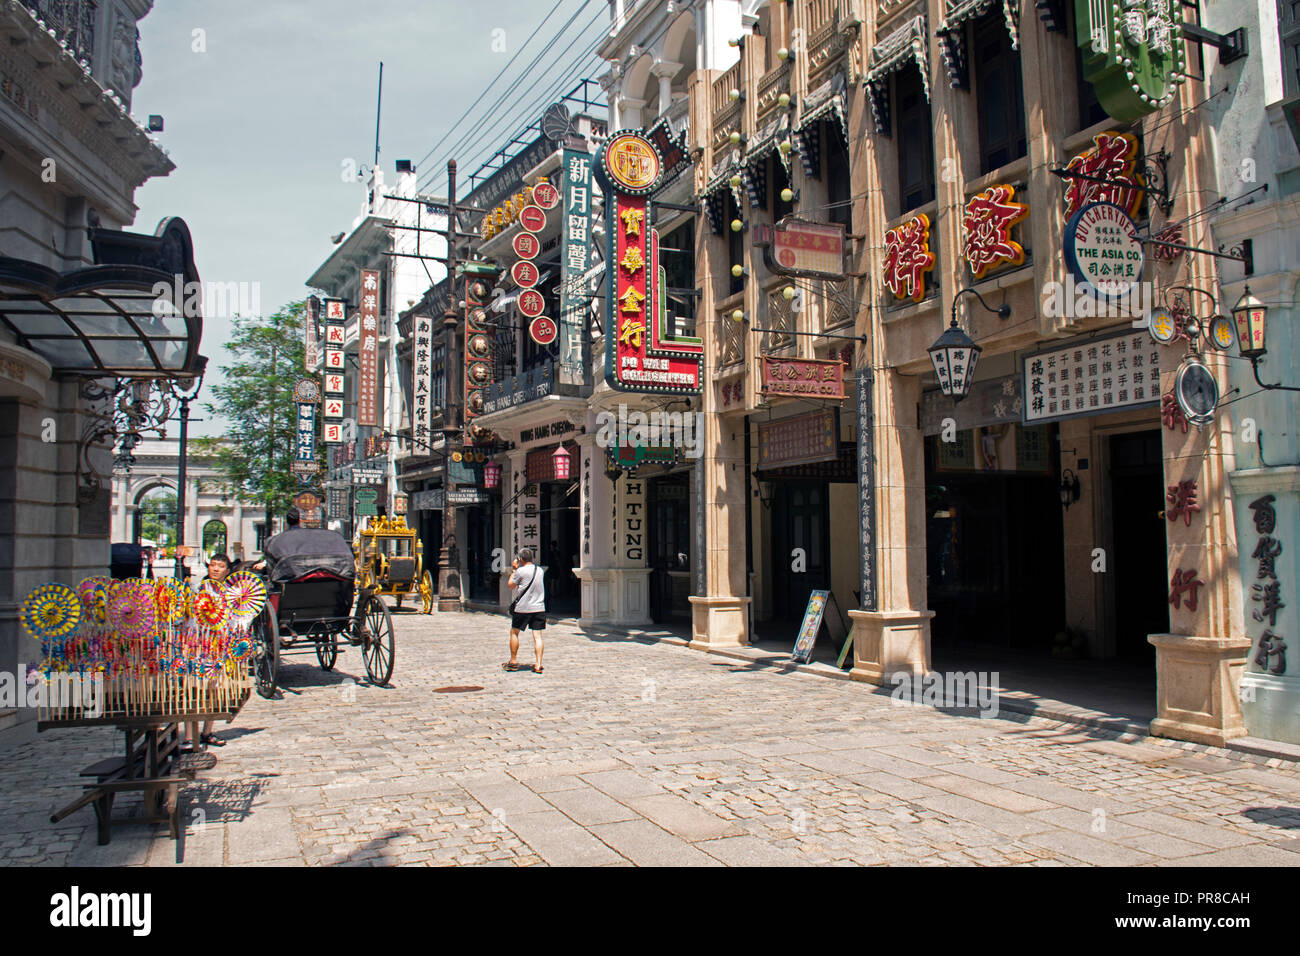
<point>270,464</point>
<point>448,559</point>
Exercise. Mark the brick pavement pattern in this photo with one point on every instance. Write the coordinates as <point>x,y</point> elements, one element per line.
<point>636,752</point>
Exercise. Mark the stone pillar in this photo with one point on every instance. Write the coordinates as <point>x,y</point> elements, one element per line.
<point>629,111</point>
<point>665,70</point>
<point>720,606</point>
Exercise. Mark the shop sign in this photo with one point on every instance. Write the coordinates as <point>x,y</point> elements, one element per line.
<point>1103,251</point>
<point>575,259</point>
<point>367,476</point>
<point>908,258</point>
<point>532,218</point>
<point>986,230</point>
<point>311,336</point>
<point>993,402</point>
<point>366,501</point>
<point>368,350</point>
<point>526,245</point>
<point>1112,158</point>
<point>866,469</point>
<point>1266,592</point>
<point>629,455</point>
<point>431,500</point>
<point>306,390</point>
<point>1090,378</point>
<point>542,330</point>
<point>334,383</point>
<point>545,195</point>
<point>521,389</point>
<point>813,378</point>
<point>524,274</point>
<point>632,529</point>
<point>335,340</point>
<point>641,353</point>
<point>794,247</point>
<point>799,439</point>
<point>525,520</point>
<point>478,370</point>
<point>333,408</point>
<point>308,505</point>
<point>422,368</point>
<point>546,432</point>
<point>1132,53</point>
<point>531,303</point>
<point>467,496</point>
<point>338,504</point>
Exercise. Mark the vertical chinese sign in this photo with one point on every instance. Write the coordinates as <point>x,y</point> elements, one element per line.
<point>642,355</point>
<point>368,350</point>
<point>575,258</point>
<point>306,394</point>
<point>422,368</point>
<point>335,364</point>
<point>311,336</point>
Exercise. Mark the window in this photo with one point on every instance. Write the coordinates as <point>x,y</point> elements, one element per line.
<point>780,179</point>
<point>1288,21</point>
<point>735,246</point>
<point>999,98</point>
<point>839,195</point>
<point>677,256</point>
<point>915,141</point>
<point>1090,111</point>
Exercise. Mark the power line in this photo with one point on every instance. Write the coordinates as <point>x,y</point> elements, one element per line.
<point>447,152</point>
<point>501,73</point>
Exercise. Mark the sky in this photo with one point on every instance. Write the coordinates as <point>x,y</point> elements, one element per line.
<point>267,102</point>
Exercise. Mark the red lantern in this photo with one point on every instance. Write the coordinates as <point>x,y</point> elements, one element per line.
<point>491,475</point>
<point>560,458</point>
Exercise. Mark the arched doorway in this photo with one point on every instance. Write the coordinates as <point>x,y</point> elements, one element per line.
<point>214,537</point>
<point>155,517</point>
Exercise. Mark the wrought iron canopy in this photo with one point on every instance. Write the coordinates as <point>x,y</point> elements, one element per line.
<point>112,318</point>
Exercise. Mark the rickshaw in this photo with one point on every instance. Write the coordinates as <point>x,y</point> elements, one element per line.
<point>320,607</point>
<point>390,561</point>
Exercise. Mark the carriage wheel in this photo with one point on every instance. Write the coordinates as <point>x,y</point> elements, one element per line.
<point>327,650</point>
<point>267,660</point>
<point>378,650</point>
<point>426,592</point>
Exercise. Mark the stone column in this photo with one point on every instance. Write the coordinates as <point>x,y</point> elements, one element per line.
<point>665,70</point>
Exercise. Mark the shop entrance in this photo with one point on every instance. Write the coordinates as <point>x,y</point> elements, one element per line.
<point>1137,497</point>
<point>800,546</point>
<point>560,546</point>
<point>669,548</point>
<point>483,528</point>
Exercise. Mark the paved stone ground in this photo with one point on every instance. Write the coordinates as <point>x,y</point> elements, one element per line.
<point>633,752</point>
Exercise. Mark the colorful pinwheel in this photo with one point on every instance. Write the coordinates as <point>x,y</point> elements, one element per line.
<point>246,596</point>
<point>51,612</point>
<point>131,610</point>
<point>94,594</point>
<point>172,601</point>
<point>210,610</point>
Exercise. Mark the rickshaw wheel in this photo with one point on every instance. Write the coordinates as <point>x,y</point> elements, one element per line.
<point>327,651</point>
<point>377,634</point>
<point>267,661</point>
<point>426,592</point>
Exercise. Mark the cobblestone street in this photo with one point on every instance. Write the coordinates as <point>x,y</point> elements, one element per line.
<point>628,751</point>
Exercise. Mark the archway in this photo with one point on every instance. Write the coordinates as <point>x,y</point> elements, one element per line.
<point>155,516</point>
<point>214,537</point>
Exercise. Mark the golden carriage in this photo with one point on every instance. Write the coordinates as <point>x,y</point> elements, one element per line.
<point>390,559</point>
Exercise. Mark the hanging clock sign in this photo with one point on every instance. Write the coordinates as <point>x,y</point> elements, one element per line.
<point>542,330</point>
<point>524,273</point>
<point>531,303</point>
<point>533,218</point>
<point>1197,392</point>
<point>1103,251</point>
<point>546,195</point>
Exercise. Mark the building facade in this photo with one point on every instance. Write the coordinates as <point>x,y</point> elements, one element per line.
<point>71,158</point>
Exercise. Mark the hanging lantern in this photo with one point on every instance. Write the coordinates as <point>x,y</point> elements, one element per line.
<point>491,475</point>
<point>954,355</point>
<point>1250,315</point>
<point>561,460</point>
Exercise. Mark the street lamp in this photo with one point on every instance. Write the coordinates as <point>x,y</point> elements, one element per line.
<point>1251,317</point>
<point>185,391</point>
<point>954,354</point>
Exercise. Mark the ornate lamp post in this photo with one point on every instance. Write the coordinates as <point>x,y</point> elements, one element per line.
<point>184,390</point>
<point>954,354</point>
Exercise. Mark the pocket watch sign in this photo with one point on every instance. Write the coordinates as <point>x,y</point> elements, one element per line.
<point>1132,53</point>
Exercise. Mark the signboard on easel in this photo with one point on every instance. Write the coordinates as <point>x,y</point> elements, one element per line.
<point>813,617</point>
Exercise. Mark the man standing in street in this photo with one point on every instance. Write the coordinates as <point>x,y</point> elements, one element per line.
<point>528,610</point>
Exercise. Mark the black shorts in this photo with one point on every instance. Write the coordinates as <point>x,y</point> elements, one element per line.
<point>536,620</point>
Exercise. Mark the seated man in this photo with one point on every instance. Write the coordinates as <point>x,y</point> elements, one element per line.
<point>297,551</point>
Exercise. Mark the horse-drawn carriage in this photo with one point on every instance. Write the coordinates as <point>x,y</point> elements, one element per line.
<point>390,561</point>
<point>320,607</point>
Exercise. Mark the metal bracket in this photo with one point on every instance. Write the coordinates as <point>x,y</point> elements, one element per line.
<point>1231,46</point>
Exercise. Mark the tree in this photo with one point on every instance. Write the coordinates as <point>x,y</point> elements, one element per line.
<point>158,518</point>
<point>254,460</point>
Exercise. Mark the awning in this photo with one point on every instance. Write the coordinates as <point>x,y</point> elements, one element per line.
<point>827,99</point>
<point>119,317</point>
<point>909,41</point>
<point>952,34</point>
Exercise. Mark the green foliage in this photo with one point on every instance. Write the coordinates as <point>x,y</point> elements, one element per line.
<point>254,460</point>
<point>158,518</point>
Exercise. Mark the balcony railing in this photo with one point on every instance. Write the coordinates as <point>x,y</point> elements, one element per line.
<point>73,22</point>
<point>820,13</point>
<point>722,88</point>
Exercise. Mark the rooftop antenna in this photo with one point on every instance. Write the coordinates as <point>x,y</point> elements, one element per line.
<point>379,107</point>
